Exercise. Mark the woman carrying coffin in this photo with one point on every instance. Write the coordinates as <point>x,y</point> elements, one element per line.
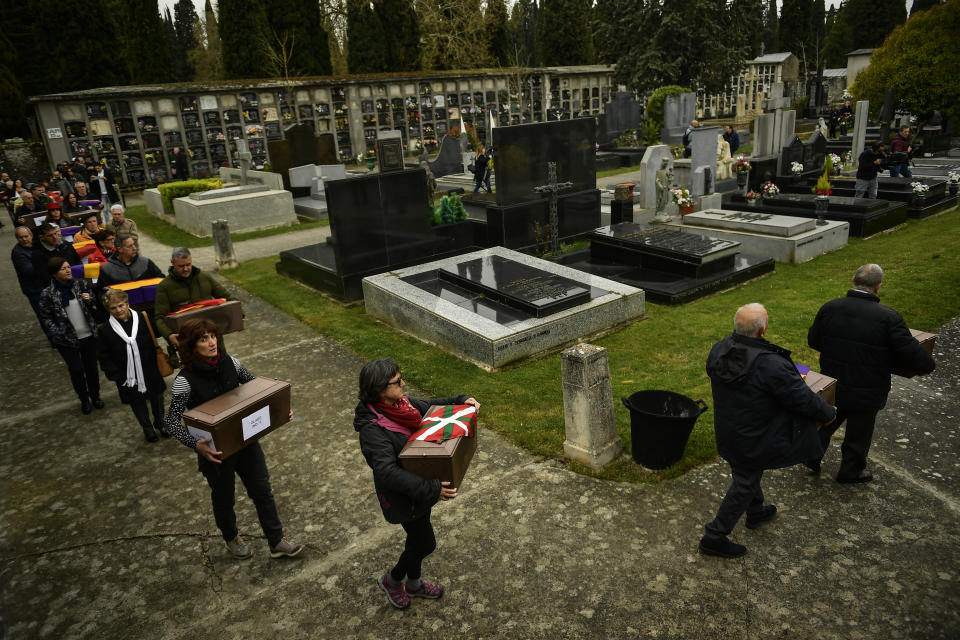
<point>209,372</point>
<point>128,357</point>
<point>385,419</point>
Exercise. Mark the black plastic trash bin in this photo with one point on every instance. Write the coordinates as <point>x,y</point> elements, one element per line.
<point>660,425</point>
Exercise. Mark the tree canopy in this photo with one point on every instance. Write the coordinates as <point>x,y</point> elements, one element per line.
<point>918,59</point>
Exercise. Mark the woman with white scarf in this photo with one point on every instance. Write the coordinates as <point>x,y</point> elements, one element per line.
<point>128,357</point>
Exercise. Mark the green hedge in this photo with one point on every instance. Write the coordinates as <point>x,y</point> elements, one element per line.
<point>171,190</point>
<point>655,111</point>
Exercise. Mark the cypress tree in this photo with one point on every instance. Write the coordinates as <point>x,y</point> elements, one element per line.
<point>838,43</point>
<point>523,30</point>
<point>561,39</point>
<point>872,22</point>
<point>920,5</point>
<point>243,34</point>
<point>184,24</point>
<point>498,39</point>
<point>746,22</point>
<point>795,23</point>
<point>302,23</point>
<point>13,108</point>
<point>147,55</point>
<point>170,35</point>
<point>401,48</point>
<point>366,52</point>
<point>771,29</point>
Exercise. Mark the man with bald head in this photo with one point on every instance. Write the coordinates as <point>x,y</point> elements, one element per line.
<point>861,342</point>
<point>765,417</point>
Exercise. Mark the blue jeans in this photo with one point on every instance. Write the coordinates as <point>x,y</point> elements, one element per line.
<point>903,169</point>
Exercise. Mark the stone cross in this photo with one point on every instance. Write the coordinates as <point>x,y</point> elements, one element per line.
<point>553,188</point>
<point>245,157</point>
<point>589,419</point>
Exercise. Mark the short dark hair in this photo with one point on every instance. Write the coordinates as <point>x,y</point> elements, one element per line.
<point>374,378</point>
<point>876,146</point>
<point>55,264</point>
<point>103,234</point>
<point>190,334</point>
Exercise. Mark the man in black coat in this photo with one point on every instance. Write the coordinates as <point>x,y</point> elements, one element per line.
<point>178,165</point>
<point>126,265</point>
<point>48,246</point>
<point>765,417</point>
<point>861,342</point>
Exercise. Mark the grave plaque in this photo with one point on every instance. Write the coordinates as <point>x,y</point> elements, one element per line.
<point>521,286</point>
<point>390,155</point>
<point>662,248</point>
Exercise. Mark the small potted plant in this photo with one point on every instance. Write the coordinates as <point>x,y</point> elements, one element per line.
<point>741,166</point>
<point>753,197</point>
<point>823,189</point>
<point>370,159</point>
<point>920,191</point>
<point>683,199</point>
<point>953,182</point>
<point>768,189</point>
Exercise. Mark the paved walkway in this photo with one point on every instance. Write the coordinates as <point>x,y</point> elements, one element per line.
<point>105,536</point>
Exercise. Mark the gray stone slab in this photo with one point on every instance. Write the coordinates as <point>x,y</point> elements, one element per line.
<point>484,340</point>
<point>246,211</point>
<point>805,244</point>
<point>303,176</point>
<point>788,127</point>
<point>763,130</point>
<point>703,156</point>
<point>266,178</point>
<point>765,223</point>
<point>860,127</point>
<point>228,192</point>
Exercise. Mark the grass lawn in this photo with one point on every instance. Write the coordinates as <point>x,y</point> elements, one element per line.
<point>921,261</point>
<point>612,172</point>
<point>170,235</point>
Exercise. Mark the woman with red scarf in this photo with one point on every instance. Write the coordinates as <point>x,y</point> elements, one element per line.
<point>385,419</point>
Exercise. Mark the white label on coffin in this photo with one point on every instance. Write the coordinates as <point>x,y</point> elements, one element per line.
<point>256,422</point>
<point>200,434</point>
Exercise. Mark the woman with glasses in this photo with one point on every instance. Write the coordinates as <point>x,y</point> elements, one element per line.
<point>384,419</point>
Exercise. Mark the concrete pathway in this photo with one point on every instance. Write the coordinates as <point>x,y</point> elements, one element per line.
<point>105,536</point>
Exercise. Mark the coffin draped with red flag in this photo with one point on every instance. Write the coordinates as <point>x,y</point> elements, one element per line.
<point>444,445</point>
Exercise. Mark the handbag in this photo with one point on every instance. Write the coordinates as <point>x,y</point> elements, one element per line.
<point>164,366</point>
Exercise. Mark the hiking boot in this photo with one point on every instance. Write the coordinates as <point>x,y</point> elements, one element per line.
<point>396,594</point>
<point>239,548</point>
<point>285,549</point>
<point>769,512</point>
<point>722,547</point>
<point>426,590</point>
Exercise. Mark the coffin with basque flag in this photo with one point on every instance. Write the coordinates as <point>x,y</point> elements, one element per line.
<point>444,445</point>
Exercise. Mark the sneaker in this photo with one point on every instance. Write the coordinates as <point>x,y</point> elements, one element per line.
<point>769,512</point>
<point>722,547</point>
<point>396,594</point>
<point>239,548</point>
<point>426,590</point>
<point>285,549</point>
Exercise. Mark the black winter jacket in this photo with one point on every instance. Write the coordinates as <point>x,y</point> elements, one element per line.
<point>112,354</point>
<point>116,271</point>
<point>403,496</point>
<point>765,416</point>
<point>860,342</point>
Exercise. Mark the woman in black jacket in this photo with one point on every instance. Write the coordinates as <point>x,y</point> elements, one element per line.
<point>128,357</point>
<point>209,372</point>
<point>384,420</point>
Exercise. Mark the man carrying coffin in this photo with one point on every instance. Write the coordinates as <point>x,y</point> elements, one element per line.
<point>859,340</point>
<point>765,417</point>
<point>184,284</point>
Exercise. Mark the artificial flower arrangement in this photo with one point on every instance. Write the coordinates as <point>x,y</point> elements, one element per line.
<point>847,156</point>
<point>752,196</point>
<point>769,189</point>
<point>682,197</point>
<point>796,167</point>
<point>919,188</point>
<point>742,165</point>
<point>836,159</point>
<point>953,177</point>
<point>823,187</point>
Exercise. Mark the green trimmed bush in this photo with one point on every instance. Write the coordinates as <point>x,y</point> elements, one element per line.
<point>456,204</point>
<point>171,190</point>
<point>655,111</point>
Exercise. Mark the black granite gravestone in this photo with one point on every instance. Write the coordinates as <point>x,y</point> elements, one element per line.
<point>300,146</point>
<point>792,152</point>
<point>816,146</point>
<point>891,190</point>
<point>449,159</point>
<point>866,216</point>
<point>518,285</point>
<point>377,222</point>
<point>623,112</point>
<point>670,265</point>
<point>522,152</point>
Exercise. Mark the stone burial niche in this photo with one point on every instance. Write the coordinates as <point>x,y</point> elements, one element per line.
<point>497,306</point>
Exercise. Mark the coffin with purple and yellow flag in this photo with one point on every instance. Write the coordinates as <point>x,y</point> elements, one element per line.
<point>140,291</point>
<point>444,445</point>
<point>89,271</point>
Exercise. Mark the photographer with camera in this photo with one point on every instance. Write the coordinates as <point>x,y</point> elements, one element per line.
<point>900,150</point>
<point>869,164</point>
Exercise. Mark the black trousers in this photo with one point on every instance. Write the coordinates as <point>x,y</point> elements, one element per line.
<point>856,440</point>
<point>82,364</point>
<point>420,543</point>
<point>251,466</point>
<point>143,417</point>
<point>743,496</point>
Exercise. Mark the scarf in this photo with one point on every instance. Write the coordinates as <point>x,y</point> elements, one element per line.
<point>134,365</point>
<point>66,291</point>
<point>402,415</point>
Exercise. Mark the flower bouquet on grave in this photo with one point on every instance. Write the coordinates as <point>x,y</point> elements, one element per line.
<point>920,190</point>
<point>681,197</point>
<point>796,168</point>
<point>953,182</point>
<point>753,197</point>
<point>741,165</point>
<point>768,189</point>
<point>837,161</point>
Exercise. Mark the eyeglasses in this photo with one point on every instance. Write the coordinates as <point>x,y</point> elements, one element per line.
<point>397,382</point>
